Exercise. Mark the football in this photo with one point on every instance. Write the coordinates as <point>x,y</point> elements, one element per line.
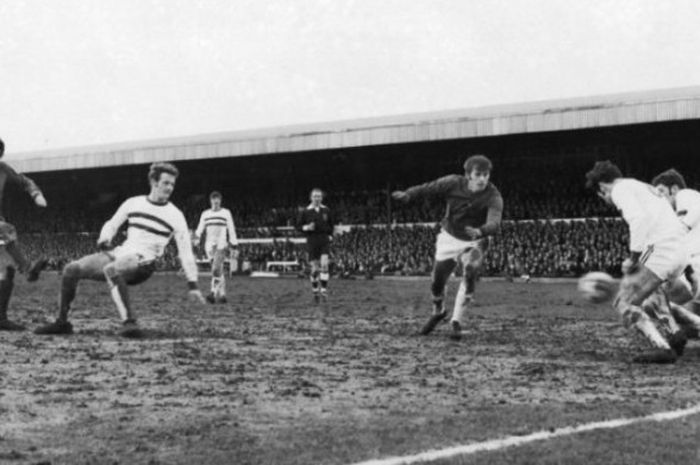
<point>597,287</point>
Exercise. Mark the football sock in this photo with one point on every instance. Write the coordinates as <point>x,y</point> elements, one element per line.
<point>460,307</point>
<point>221,288</point>
<point>645,326</point>
<point>314,281</point>
<point>685,315</point>
<point>17,256</point>
<point>6,286</point>
<point>471,281</point>
<point>441,273</point>
<point>437,304</point>
<point>120,296</point>
<point>215,284</point>
<point>69,285</point>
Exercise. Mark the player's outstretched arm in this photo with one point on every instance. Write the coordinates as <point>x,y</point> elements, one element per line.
<point>199,231</point>
<point>401,196</point>
<point>439,186</point>
<point>26,183</point>
<point>110,228</point>
<point>232,237</point>
<point>494,216</point>
<point>187,260</point>
<point>40,200</point>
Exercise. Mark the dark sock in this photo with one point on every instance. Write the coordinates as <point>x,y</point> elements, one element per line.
<point>18,256</point>
<point>6,286</point>
<point>68,289</point>
<point>471,281</point>
<point>441,273</point>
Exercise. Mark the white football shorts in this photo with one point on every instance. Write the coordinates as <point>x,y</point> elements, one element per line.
<point>448,247</point>
<point>666,259</point>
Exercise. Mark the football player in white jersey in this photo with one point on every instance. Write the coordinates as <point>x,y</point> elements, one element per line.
<point>686,203</point>
<point>657,254</point>
<point>152,222</point>
<point>216,224</point>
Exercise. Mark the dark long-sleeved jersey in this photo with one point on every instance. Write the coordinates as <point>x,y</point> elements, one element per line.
<point>464,208</point>
<point>321,217</point>
<point>8,174</point>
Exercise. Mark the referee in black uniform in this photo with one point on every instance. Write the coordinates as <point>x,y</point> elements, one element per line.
<point>316,223</point>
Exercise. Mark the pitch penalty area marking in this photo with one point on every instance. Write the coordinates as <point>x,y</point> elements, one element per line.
<point>497,444</point>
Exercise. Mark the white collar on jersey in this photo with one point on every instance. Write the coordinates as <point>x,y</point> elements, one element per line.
<point>311,206</point>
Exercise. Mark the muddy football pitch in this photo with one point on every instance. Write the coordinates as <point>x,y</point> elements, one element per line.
<point>271,378</point>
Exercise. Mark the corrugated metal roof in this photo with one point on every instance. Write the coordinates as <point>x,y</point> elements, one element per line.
<point>554,115</point>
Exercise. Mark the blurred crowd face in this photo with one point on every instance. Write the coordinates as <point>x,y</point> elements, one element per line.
<point>478,179</point>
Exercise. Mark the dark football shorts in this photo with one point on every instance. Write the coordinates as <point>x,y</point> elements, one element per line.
<point>140,274</point>
<point>317,245</point>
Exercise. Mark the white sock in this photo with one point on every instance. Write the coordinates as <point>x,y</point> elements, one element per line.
<point>117,298</point>
<point>221,288</point>
<point>645,326</point>
<point>460,308</point>
<point>215,284</point>
<point>685,315</point>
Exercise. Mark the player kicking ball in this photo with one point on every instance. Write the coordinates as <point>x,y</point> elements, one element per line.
<point>216,224</point>
<point>474,208</point>
<point>152,221</point>
<point>657,254</point>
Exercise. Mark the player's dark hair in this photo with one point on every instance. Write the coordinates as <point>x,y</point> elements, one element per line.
<point>215,195</point>
<point>159,168</point>
<point>603,171</point>
<point>478,162</point>
<point>2,148</point>
<point>669,178</point>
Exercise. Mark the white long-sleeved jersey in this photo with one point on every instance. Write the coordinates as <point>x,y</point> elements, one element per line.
<point>688,211</point>
<point>215,224</point>
<point>150,228</point>
<point>650,217</point>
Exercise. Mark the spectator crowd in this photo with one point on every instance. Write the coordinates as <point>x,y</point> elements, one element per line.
<point>532,248</point>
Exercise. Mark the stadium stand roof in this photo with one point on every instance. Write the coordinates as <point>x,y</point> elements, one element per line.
<point>553,115</point>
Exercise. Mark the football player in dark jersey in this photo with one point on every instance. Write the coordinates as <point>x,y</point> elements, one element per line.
<point>473,212</point>
<point>11,255</point>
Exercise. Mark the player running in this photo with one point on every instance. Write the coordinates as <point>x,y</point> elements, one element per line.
<point>657,254</point>
<point>474,208</point>
<point>152,221</point>
<point>216,223</point>
<point>11,256</point>
<point>316,223</point>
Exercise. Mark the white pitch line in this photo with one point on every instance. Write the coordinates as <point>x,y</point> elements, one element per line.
<point>496,444</point>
